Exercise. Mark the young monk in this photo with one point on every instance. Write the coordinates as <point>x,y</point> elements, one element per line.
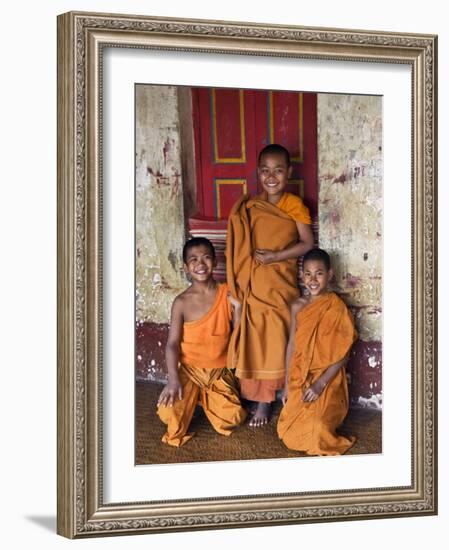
<point>315,396</point>
<point>196,351</point>
<point>265,236</point>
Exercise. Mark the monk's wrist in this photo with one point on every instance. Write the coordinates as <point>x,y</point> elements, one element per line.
<point>173,378</point>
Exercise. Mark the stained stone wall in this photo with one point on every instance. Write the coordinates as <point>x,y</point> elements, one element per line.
<point>350,217</point>
<point>159,203</point>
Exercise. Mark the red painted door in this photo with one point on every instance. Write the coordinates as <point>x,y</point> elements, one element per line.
<point>231,126</point>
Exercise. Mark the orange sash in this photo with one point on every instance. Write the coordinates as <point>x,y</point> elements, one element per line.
<point>205,341</point>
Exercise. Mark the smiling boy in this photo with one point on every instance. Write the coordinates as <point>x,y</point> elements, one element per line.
<point>266,234</point>
<point>315,395</point>
<point>196,351</point>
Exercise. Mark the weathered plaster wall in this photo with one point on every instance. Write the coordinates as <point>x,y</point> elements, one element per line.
<point>160,224</point>
<point>350,219</point>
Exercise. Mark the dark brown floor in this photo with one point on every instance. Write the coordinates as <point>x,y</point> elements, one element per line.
<point>245,443</point>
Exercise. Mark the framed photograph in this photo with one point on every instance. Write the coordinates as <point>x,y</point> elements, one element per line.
<point>160,122</point>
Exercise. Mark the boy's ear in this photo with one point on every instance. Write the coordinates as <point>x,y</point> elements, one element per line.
<point>290,171</point>
<point>331,274</point>
<point>186,269</point>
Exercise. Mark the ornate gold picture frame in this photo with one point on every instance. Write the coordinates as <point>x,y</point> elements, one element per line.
<point>82,508</point>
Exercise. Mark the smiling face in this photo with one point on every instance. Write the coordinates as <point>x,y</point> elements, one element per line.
<point>315,277</point>
<point>273,173</point>
<point>200,263</point>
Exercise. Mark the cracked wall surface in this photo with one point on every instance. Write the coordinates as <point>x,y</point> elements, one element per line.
<point>351,202</point>
<point>159,203</point>
<point>350,226</point>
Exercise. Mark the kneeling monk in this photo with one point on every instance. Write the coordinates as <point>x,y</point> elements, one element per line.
<point>196,351</point>
<point>315,396</point>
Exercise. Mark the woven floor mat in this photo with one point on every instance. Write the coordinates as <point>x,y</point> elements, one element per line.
<point>245,443</point>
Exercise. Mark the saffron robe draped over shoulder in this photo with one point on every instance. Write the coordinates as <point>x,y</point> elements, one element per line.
<point>257,348</point>
<point>324,335</point>
<point>203,375</point>
<point>205,341</point>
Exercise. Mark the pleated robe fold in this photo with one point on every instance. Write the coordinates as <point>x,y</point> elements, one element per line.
<point>257,348</point>
<point>324,335</point>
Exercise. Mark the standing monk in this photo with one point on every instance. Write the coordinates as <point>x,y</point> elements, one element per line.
<point>265,236</point>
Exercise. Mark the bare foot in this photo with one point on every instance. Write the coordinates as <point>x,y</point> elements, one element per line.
<point>262,415</point>
<point>250,406</point>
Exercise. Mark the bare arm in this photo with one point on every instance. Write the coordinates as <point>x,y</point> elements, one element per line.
<point>295,307</point>
<point>316,389</point>
<point>305,243</point>
<point>173,389</point>
<point>236,310</point>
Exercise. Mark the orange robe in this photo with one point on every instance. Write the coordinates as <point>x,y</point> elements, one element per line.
<point>204,377</point>
<point>324,335</point>
<point>257,349</point>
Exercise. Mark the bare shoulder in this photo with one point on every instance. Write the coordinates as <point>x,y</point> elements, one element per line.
<point>298,304</point>
<point>181,301</point>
